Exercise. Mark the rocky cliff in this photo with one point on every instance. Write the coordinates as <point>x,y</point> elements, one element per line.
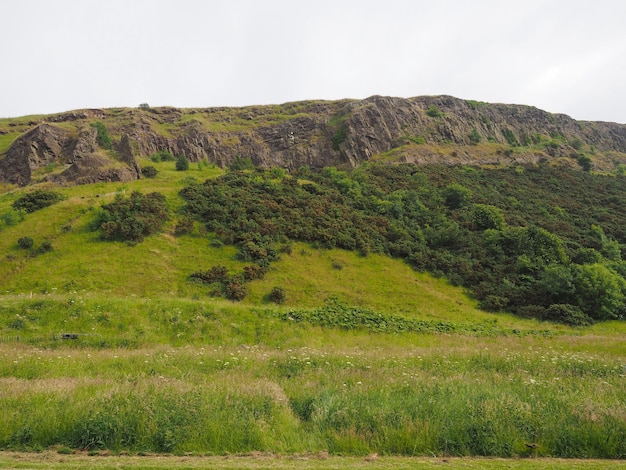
<point>430,129</point>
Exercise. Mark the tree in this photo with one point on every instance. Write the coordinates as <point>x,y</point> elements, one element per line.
<point>182,164</point>
<point>456,196</point>
<point>600,292</point>
<point>485,217</point>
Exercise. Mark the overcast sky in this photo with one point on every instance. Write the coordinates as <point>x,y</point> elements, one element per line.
<point>565,56</point>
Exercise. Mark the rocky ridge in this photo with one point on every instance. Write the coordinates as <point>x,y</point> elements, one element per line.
<point>420,130</point>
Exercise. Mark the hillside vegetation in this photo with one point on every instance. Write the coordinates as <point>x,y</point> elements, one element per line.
<point>387,309</point>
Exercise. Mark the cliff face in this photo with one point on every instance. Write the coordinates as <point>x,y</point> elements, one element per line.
<point>431,129</point>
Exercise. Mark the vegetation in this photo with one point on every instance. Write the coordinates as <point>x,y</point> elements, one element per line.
<point>340,343</point>
<point>104,139</point>
<point>182,164</point>
<point>434,112</point>
<point>131,219</point>
<point>35,200</point>
<point>508,257</point>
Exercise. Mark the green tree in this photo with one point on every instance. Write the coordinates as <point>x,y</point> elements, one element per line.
<point>600,291</point>
<point>456,196</point>
<point>485,217</point>
<point>182,164</point>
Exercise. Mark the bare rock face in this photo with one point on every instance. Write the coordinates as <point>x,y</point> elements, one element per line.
<point>83,161</point>
<point>43,145</point>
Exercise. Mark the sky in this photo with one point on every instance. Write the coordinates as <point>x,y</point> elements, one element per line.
<point>560,56</point>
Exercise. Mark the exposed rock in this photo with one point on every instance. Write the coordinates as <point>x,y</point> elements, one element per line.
<point>37,148</point>
<point>427,129</point>
<point>50,145</point>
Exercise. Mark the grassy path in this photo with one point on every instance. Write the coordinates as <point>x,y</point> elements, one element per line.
<point>54,460</point>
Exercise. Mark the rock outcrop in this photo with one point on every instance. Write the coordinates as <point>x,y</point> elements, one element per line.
<point>421,130</point>
<point>79,158</point>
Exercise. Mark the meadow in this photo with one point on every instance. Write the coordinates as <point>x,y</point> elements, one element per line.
<point>109,356</point>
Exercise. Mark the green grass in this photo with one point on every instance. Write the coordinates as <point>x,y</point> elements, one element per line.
<point>160,366</point>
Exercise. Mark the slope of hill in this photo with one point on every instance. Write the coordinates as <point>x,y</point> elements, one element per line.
<point>353,325</point>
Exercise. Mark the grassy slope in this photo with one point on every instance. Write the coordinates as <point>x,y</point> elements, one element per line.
<point>161,343</point>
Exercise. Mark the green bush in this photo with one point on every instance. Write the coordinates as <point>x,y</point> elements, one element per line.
<point>567,314</point>
<point>434,112</point>
<point>485,217</point>
<point>149,171</point>
<point>277,295</point>
<point>474,137</point>
<point>510,137</point>
<point>25,242</point>
<point>11,217</point>
<point>131,219</point>
<point>241,163</point>
<point>45,247</point>
<point>36,200</point>
<point>104,139</point>
<point>182,164</point>
<point>456,196</point>
<point>235,289</point>
<point>162,156</point>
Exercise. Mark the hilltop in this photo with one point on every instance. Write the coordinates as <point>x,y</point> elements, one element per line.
<point>64,147</point>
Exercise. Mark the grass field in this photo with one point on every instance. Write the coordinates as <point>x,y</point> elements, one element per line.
<point>157,373</point>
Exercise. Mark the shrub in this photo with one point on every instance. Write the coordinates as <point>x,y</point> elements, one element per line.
<point>241,163</point>
<point>182,164</point>
<point>45,247</point>
<point>132,219</point>
<point>474,137</point>
<point>585,162</point>
<point>510,137</point>
<point>149,172</point>
<point>434,112</point>
<point>456,196</point>
<point>184,225</point>
<point>577,144</point>
<point>277,295</point>
<point>11,217</point>
<point>25,242</point>
<point>104,139</point>
<point>235,289</point>
<point>217,273</point>
<point>486,217</point>
<point>36,200</point>
<point>567,314</point>
<point>162,156</point>
<point>254,271</point>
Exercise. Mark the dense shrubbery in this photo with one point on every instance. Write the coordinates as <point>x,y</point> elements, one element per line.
<point>36,200</point>
<point>131,219</point>
<point>543,242</point>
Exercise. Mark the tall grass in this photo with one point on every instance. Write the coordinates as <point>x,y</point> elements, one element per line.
<point>506,396</point>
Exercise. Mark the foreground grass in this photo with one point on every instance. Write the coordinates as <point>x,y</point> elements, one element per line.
<point>78,461</point>
<point>343,392</point>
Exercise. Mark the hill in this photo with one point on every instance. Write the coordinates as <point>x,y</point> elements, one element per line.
<point>438,129</point>
<point>250,298</point>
